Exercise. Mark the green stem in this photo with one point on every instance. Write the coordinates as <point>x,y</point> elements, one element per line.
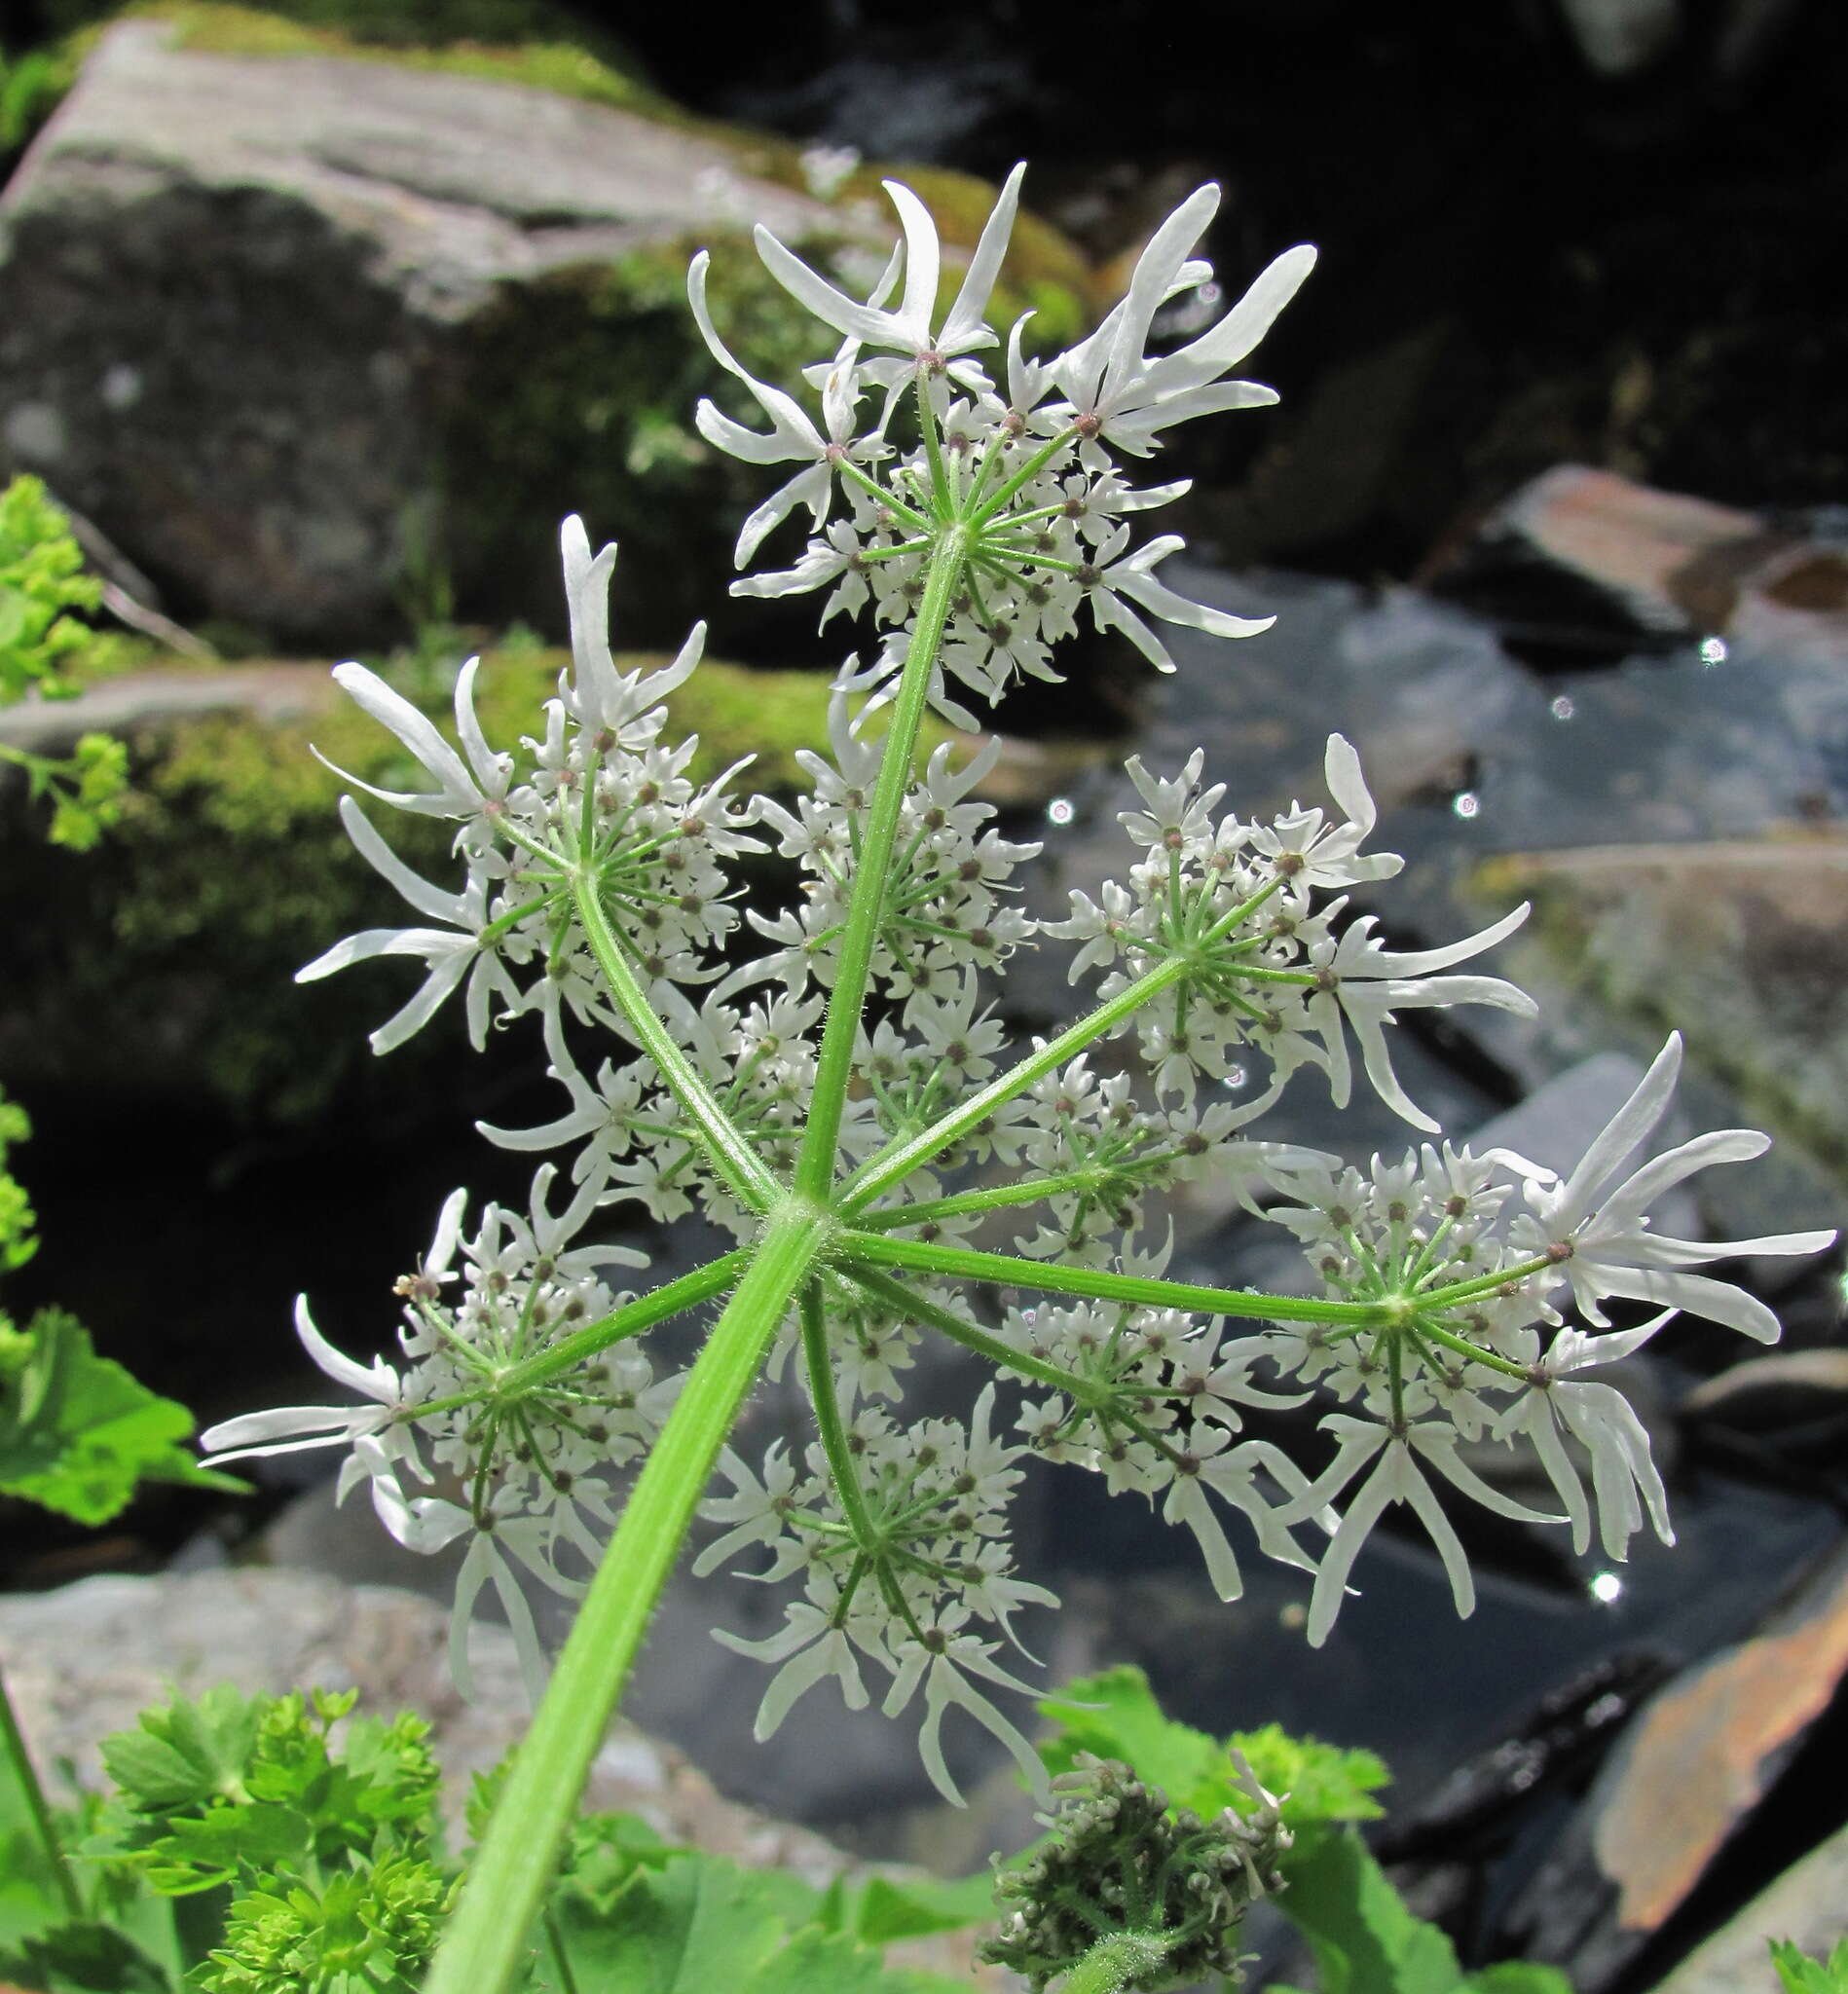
<point>672,1297</point>
<point>1115,1964</point>
<point>898,1160</point>
<point>735,1160</point>
<point>12,1746</point>
<point>960,1262</point>
<point>997,1197</point>
<point>1027,472</point>
<point>1466,1348</point>
<point>487,1945</point>
<point>821,1389</point>
<point>896,1296</point>
<point>866,911</point>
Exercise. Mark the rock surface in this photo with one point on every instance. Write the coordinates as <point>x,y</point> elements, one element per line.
<point>1687,1775</point>
<point>302,333</point>
<point>81,1662</point>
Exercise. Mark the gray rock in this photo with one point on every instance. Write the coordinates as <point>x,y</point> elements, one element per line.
<point>1808,1905</point>
<point>246,296</point>
<point>81,1662</point>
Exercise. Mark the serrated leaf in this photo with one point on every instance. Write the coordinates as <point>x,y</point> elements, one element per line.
<point>1799,1974</point>
<point>688,1925</point>
<point>885,1910</point>
<point>186,1753</point>
<point>1365,1938</point>
<point>78,1432</point>
<point>1114,1714</point>
<point>693,1924</point>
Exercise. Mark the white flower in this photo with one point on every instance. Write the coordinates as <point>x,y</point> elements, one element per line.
<point>1396,1479</point>
<point>810,1645</point>
<point>1123,396</point>
<point>377,1384</point>
<point>793,438</point>
<point>1311,850</point>
<point>464,788</point>
<point>942,1660</point>
<point>599,697</point>
<point>451,953</point>
<point>1596,1229</point>
<point>907,329</point>
<point>1112,574</point>
<point>1601,1419</point>
<point>1360,979</point>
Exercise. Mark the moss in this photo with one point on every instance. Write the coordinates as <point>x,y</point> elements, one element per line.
<point>164,962</point>
<point>554,53</point>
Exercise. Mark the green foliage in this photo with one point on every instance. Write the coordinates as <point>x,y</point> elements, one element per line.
<point>32,85</point>
<point>209,1789</point>
<point>285,1845</point>
<point>1799,1974</point>
<point>77,1432</point>
<point>1114,1714</point>
<point>1364,1937</point>
<point>17,1225</point>
<point>44,647</point>
<point>42,580</point>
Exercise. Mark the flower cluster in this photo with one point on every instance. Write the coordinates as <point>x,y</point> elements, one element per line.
<point>1475,1344</point>
<point>500,1396</point>
<point>904,1567</point>
<point>847,1103</point>
<point>1257,962</point>
<point>1157,1891</point>
<point>1028,462</point>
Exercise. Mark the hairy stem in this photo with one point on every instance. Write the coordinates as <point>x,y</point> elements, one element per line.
<point>1115,1964</point>
<point>735,1160</point>
<point>815,1164</point>
<point>961,1262</point>
<point>487,1945</point>
<point>897,1295</point>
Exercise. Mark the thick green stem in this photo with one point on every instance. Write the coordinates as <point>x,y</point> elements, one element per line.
<point>733,1156</point>
<point>1115,1964</point>
<point>487,1945</point>
<point>12,1750</point>
<point>815,1164</point>
<point>961,1262</point>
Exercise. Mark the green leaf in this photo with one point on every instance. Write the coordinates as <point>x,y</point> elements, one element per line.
<point>687,1923</point>
<point>1517,1977</point>
<point>77,1432</point>
<point>185,1754</point>
<point>1114,1714</point>
<point>1364,1937</point>
<point>1801,1974</point>
<point>885,1910</point>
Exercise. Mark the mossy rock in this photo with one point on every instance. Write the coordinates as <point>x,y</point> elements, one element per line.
<point>435,298</point>
<point>160,964</point>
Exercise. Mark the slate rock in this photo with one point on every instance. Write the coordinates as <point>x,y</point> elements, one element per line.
<point>317,340</point>
<point>1684,1779</point>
